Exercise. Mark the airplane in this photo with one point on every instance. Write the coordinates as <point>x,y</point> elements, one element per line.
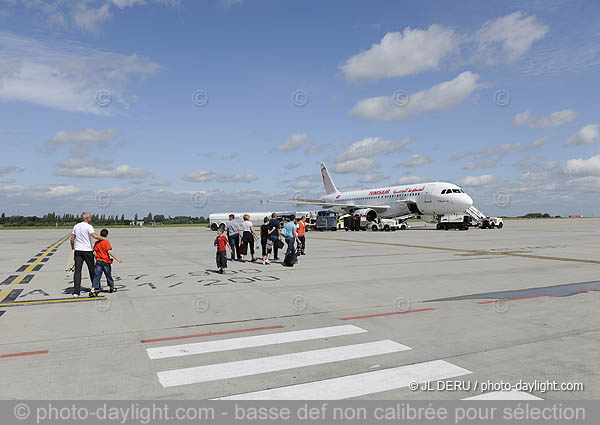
<point>428,201</point>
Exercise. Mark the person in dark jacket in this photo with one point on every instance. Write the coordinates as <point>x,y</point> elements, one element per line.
<point>276,234</point>
<point>265,242</point>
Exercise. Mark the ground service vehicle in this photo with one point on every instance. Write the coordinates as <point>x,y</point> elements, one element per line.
<point>353,222</point>
<point>326,220</point>
<point>454,221</point>
<point>384,224</point>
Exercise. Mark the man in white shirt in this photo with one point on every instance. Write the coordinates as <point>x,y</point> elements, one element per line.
<point>83,245</point>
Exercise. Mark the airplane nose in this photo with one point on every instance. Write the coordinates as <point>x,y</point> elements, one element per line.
<point>468,201</point>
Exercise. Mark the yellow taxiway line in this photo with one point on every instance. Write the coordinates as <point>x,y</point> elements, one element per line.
<point>62,300</point>
<point>470,251</point>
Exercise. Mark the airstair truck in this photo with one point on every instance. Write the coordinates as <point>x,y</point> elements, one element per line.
<point>483,221</point>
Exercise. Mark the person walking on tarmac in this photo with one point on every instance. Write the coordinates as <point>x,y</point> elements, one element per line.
<point>81,244</point>
<point>291,236</point>
<point>301,231</point>
<point>248,237</point>
<point>233,233</point>
<point>265,242</point>
<point>275,236</point>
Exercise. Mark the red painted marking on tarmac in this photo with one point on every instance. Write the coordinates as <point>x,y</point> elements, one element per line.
<point>514,299</point>
<point>174,338</point>
<point>30,353</point>
<point>387,314</point>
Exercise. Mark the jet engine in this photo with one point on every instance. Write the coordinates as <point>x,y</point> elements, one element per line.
<point>369,213</point>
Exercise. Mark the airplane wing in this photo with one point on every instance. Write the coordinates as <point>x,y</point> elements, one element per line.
<point>322,204</point>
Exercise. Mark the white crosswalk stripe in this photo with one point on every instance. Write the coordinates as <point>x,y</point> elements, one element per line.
<point>251,341</point>
<point>504,395</point>
<point>359,384</point>
<point>229,370</point>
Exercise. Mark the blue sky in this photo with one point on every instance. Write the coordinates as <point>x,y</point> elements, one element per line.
<point>192,107</point>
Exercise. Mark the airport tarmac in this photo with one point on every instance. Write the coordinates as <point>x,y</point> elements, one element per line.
<point>363,315</point>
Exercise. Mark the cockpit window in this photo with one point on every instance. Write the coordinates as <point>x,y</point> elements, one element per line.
<point>456,190</point>
<point>443,191</point>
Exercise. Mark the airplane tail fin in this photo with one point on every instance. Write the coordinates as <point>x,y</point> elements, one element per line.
<point>327,181</point>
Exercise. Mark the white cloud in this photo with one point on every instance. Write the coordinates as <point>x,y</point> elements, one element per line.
<point>372,178</point>
<point>400,54</point>
<point>370,147</point>
<point>585,136</point>
<point>67,76</point>
<point>6,180</point>
<point>97,169</point>
<point>491,156</point>
<point>14,189</point>
<point>230,3</point>
<point>459,156</point>
<point>415,161</point>
<point>313,149</point>
<point>409,180</point>
<point>357,166</point>
<point>539,142</point>
<point>89,18</point>
<point>527,163</point>
<point>555,119</point>
<point>291,165</point>
<point>294,142</point>
<point>301,184</point>
<point>161,183</point>
<point>534,176</point>
<point>583,167</point>
<point>211,176</point>
<point>478,180</point>
<point>85,15</point>
<point>506,39</point>
<point>481,164</point>
<point>61,191</point>
<point>7,169</point>
<point>82,141</point>
<point>439,97</point>
<point>502,149</point>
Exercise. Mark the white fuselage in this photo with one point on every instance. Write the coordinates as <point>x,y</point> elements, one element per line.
<point>431,199</point>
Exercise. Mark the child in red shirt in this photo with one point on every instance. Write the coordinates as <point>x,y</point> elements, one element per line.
<point>104,257</point>
<point>222,243</point>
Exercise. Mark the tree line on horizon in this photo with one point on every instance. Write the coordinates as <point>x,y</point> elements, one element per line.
<point>53,219</point>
